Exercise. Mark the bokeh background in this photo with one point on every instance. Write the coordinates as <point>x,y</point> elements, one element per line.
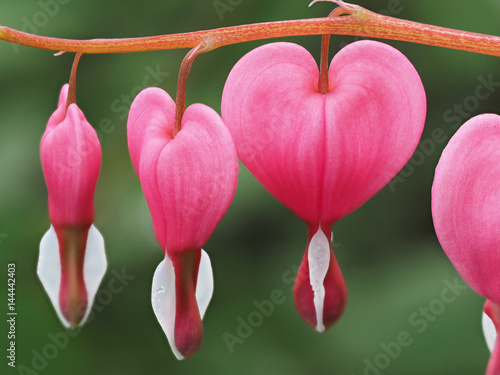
<point>389,255</point>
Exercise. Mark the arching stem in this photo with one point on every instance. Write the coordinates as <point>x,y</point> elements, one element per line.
<point>180,100</point>
<point>323,84</point>
<point>359,22</point>
<point>72,81</point>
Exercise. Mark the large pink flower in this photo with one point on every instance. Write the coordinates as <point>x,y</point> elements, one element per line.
<point>323,156</point>
<point>72,260</point>
<point>466,211</point>
<point>189,182</point>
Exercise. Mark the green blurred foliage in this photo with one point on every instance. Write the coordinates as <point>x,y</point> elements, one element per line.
<point>387,249</point>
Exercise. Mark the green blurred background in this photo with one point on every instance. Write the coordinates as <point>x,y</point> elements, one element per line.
<point>389,255</point>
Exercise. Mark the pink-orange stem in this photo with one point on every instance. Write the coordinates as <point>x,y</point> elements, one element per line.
<point>180,100</point>
<point>359,22</point>
<point>72,81</point>
<point>323,85</point>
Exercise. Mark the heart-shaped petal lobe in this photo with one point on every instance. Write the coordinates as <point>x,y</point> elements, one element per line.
<point>466,203</point>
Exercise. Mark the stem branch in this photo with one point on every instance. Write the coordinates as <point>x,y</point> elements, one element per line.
<point>72,81</point>
<point>180,100</point>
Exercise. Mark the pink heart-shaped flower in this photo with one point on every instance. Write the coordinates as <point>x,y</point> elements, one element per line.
<point>189,182</point>
<point>323,156</point>
<point>466,215</point>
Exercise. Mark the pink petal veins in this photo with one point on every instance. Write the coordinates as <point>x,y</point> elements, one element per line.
<point>197,175</point>
<point>276,117</point>
<point>466,203</point>
<point>149,128</point>
<point>71,160</point>
<point>189,182</point>
<point>375,115</point>
<point>324,155</point>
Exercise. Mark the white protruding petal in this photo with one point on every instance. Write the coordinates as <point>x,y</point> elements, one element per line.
<point>49,268</point>
<point>204,284</point>
<point>490,333</point>
<point>163,295</point>
<point>163,300</point>
<point>94,267</point>
<point>318,257</point>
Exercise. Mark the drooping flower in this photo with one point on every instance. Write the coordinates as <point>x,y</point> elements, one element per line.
<point>466,213</point>
<point>323,156</point>
<point>189,182</point>
<point>72,260</point>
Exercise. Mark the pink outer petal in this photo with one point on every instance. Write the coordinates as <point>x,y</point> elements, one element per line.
<point>189,182</point>
<point>276,117</point>
<point>375,116</point>
<point>60,113</point>
<point>335,300</point>
<point>324,155</point>
<point>71,160</point>
<point>150,127</point>
<point>466,203</point>
<point>197,176</point>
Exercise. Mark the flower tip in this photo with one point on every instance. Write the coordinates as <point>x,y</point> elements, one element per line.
<point>184,331</point>
<point>320,293</point>
<point>72,295</point>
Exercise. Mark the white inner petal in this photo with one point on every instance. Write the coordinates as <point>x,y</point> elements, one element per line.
<point>94,267</point>
<point>49,268</point>
<point>163,295</point>
<point>319,260</point>
<point>205,284</point>
<point>490,333</point>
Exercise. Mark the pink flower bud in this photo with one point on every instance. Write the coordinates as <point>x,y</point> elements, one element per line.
<point>72,260</point>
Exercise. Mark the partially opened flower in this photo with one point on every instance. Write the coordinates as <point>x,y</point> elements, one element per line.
<point>72,261</point>
<point>323,155</point>
<point>189,182</point>
<point>466,212</point>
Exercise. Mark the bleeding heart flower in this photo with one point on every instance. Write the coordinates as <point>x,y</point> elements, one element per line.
<point>466,213</point>
<point>72,260</point>
<point>189,182</point>
<point>323,156</point>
